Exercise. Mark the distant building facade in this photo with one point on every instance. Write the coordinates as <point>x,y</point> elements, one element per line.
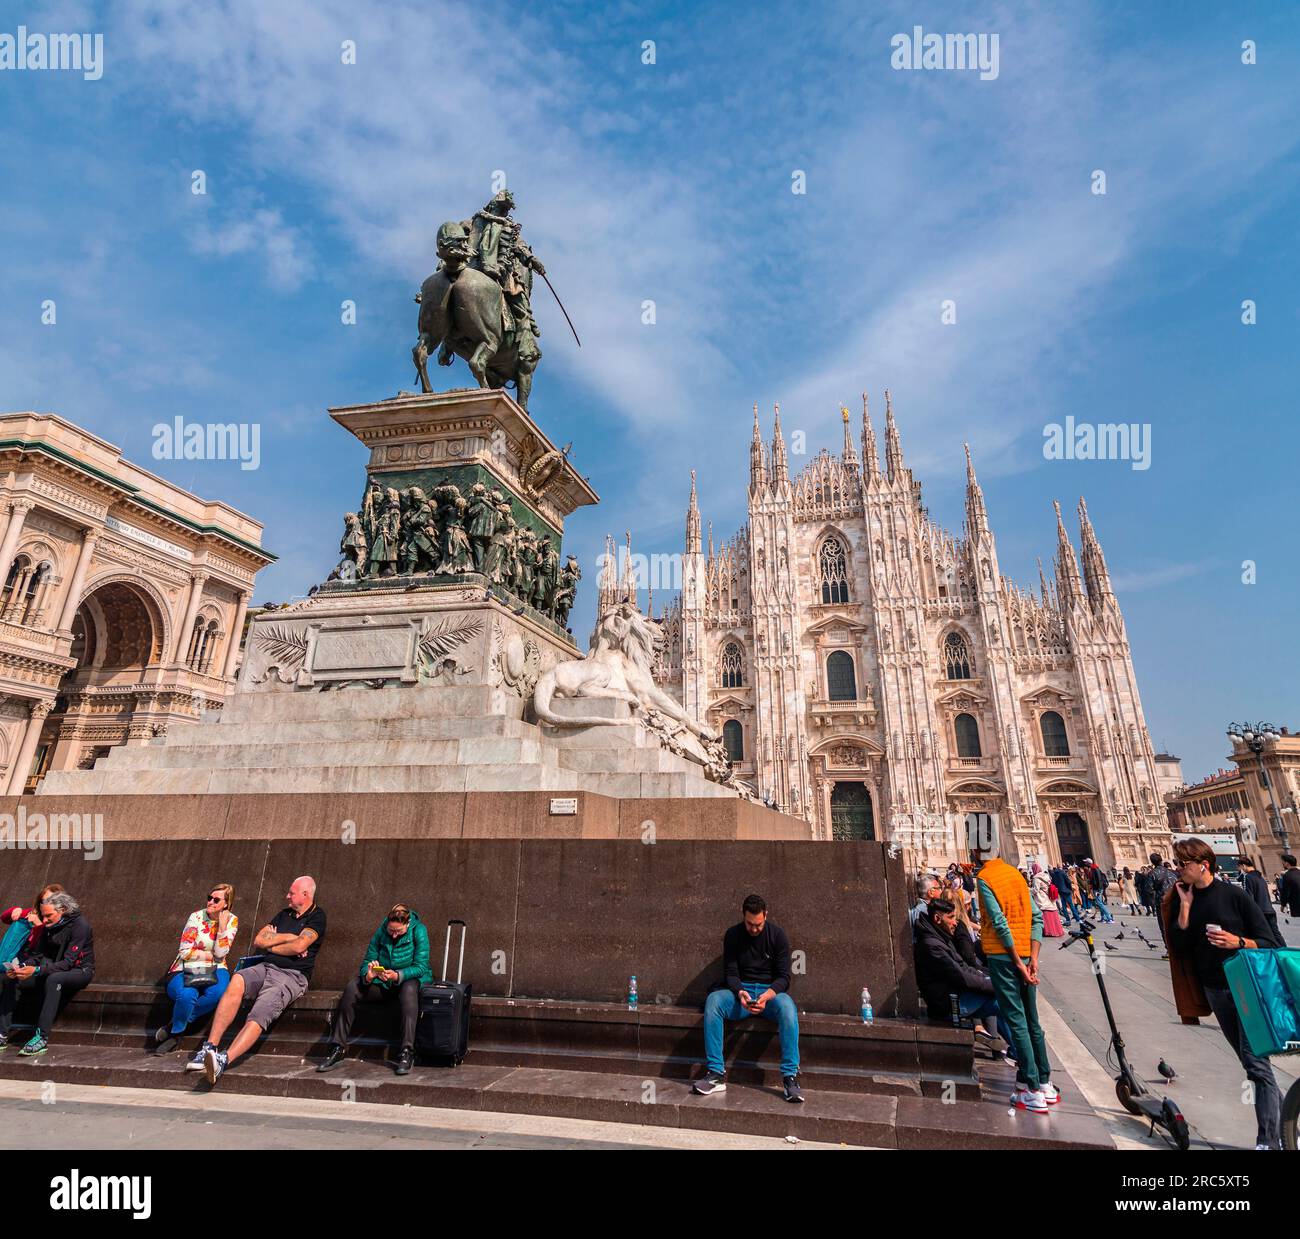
<point>1217,805</point>
<point>878,675</point>
<point>1235,801</point>
<point>123,599</point>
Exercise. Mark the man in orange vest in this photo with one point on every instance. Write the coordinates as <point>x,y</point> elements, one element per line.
<point>1011,932</point>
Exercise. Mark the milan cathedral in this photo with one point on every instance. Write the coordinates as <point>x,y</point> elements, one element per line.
<point>877,675</point>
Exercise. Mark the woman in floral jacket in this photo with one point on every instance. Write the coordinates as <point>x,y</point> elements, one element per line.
<point>199,975</point>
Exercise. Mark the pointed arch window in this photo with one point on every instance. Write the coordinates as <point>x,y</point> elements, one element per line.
<point>733,740</point>
<point>841,684</point>
<point>956,657</point>
<point>1055,741</point>
<point>968,736</point>
<point>733,666</point>
<point>832,569</point>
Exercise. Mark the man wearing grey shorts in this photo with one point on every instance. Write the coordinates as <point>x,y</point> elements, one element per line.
<point>289,945</point>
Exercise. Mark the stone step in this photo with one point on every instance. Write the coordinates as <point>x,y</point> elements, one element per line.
<point>873,1120</point>
<point>255,780</point>
<point>449,728</point>
<point>619,761</point>
<point>485,750</point>
<point>356,704</point>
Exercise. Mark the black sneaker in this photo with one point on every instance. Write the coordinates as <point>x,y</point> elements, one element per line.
<point>792,1090</point>
<point>710,1082</point>
<point>333,1056</point>
<point>165,1041</point>
<point>405,1060</point>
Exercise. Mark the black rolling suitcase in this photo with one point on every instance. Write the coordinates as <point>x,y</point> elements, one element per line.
<point>442,1030</point>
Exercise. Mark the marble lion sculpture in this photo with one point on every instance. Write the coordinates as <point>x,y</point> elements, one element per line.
<point>618,665</point>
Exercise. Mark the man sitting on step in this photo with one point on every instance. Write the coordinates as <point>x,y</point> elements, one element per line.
<point>289,945</point>
<point>756,967</point>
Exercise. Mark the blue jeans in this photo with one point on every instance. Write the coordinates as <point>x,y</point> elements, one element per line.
<point>722,1005</point>
<point>189,1004</point>
<point>1106,917</point>
<point>981,1007</point>
<point>1068,908</point>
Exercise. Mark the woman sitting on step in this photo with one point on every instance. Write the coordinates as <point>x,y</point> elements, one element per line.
<point>199,975</point>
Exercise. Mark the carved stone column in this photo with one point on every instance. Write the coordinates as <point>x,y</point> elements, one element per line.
<point>197,581</point>
<point>23,762</point>
<point>20,509</point>
<point>88,541</point>
<point>236,629</point>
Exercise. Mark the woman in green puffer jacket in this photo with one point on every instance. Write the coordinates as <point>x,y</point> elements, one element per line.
<point>396,964</point>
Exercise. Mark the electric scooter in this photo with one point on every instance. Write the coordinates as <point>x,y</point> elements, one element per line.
<point>1133,1095</point>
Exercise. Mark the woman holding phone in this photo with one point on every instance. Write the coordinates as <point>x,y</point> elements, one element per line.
<point>1207,922</point>
<point>199,975</point>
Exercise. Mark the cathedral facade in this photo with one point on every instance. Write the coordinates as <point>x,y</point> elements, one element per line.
<point>878,676</point>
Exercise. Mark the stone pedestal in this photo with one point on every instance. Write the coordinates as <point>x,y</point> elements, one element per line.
<point>398,634</point>
<point>460,438</point>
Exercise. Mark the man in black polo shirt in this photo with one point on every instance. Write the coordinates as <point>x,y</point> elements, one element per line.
<point>289,945</point>
<point>756,966</point>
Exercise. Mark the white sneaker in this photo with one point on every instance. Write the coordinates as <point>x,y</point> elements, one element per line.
<point>1034,1102</point>
<point>1051,1094</point>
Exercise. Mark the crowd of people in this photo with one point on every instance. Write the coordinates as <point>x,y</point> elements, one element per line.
<point>1068,892</point>
<point>977,932</point>
<point>986,975</point>
<point>49,948</point>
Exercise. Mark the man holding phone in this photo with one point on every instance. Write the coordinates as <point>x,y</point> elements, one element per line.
<point>756,967</point>
<point>1209,921</point>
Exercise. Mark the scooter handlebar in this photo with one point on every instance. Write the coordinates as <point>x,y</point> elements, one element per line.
<point>1081,934</point>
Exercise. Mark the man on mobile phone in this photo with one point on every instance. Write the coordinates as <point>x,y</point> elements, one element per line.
<point>756,967</point>
<point>1208,922</point>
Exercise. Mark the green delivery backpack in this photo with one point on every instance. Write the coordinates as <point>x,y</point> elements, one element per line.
<point>1268,1006</point>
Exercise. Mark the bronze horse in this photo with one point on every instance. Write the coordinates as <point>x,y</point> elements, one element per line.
<point>463,313</point>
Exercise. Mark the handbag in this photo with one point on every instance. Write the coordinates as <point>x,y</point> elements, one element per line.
<point>1265,1005</point>
<point>199,976</point>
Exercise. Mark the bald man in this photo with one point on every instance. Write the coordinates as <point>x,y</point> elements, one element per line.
<point>288,945</point>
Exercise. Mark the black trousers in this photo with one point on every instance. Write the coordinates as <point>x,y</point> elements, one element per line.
<point>407,993</point>
<point>56,989</point>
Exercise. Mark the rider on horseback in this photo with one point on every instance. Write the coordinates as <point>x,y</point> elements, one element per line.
<point>498,250</point>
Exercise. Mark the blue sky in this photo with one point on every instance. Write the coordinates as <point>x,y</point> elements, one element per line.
<point>671,182</point>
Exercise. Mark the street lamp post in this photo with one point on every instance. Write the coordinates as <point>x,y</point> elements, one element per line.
<point>1255,736</point>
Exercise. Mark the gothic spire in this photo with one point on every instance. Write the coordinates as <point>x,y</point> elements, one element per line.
<point>710,542</point>
<point>693,522</point>
<point>1095,573</point>
<point>1042,581</point>
<point>977,517</point>
<point>893,450</point>
<point>607,584</point>
<point>627,590</point>
<point>1069,586</point>
<point>870,460</point>
<point>780,473</point>
<point>850,456</point>
<point>757,469</point>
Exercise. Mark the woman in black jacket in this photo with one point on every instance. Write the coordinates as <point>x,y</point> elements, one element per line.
<point>61,962</point>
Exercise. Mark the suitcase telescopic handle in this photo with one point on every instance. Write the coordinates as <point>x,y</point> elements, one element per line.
<point>446,949</point>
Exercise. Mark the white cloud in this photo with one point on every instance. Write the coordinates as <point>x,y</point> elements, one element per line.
<point>263,232</point>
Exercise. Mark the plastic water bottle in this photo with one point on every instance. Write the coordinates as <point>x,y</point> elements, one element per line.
<point>631,994</point>
<point>868,1016</point>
